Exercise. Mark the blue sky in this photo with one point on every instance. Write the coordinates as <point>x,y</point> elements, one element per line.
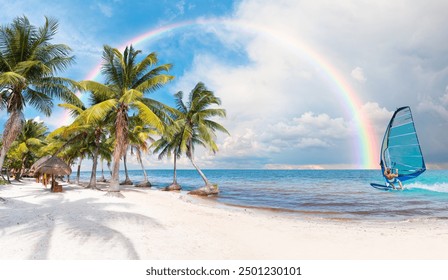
<point>282,110</point>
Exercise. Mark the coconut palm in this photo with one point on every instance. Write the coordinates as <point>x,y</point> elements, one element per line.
<point>105,153</point>
<point>167,145</point>
<point>197,127</point>
<point>69,144</point>
<point>25,149</point>
<point>94,138</point>
<point>139,137</point>
<point>28,65</point>
<point>126,83</point>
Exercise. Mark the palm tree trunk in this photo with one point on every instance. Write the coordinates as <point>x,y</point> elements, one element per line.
<point>175,170</point>
<point>121,127</point>
<point>127,181</point>
<point>114,182</point>
<point>114,188</point>
<point>13,126</point>
<point>145,182</point>
<point>207,183</point>
<point>108,168</point>
<point>22,168</point>
<point>2,156</point>
<point>18,173</point>
<point>206,190</point>
<point>139,158</point>
<point>92,183</point>
<point>7,176</point>
<point>79,170</point>
<point>174,186</point>
<point>102,171</point>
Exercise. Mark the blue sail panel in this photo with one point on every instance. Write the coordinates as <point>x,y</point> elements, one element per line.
<point>401,148</point>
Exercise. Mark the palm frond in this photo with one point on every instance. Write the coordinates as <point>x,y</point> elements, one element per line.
<point>154,83</point>
<point>130,96</point>
<point>97,112</point>
<point>142,77</point>
<point>208,113</point>
<point>216,126</point>
<point>46,32</point>
<point>42,102</point>
<point>59,88</point>
<point>33,142</point>
<point>74,110</point>
<point>148,116</point>
<point>178,98</point>
<point>165,113</point>
<point>11,78</point>
<point>149,60</point>
<point>109,68</point>
<point>101,91</point>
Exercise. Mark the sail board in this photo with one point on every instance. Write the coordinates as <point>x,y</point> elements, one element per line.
<point>400,148</point>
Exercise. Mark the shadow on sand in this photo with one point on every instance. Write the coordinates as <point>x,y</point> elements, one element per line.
<point>83,220</point>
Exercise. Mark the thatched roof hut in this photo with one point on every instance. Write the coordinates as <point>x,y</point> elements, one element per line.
<point>54,166</point>
<point>38,163</point>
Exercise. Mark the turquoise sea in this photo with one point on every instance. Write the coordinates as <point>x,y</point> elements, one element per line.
<point>332,194</point>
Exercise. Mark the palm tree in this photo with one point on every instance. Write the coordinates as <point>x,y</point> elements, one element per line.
<point>167,145</point>
<point>95,135</point>
<point>69,143</point>
<point>197,128</point>
<point>24,150</point>
<point>127,180</point>
<point>139,135</point>
<point>126,83</point>
<point>28,64</point>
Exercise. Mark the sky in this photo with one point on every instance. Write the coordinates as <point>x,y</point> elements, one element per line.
<point>307,84</point>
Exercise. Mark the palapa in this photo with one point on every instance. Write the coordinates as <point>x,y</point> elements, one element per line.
<point>54,166</point>
<point>38,163</point>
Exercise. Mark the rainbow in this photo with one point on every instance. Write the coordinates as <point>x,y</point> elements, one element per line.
<point>366,144</point>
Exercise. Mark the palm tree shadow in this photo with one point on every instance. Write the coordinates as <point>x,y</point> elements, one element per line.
<point>84,220</point>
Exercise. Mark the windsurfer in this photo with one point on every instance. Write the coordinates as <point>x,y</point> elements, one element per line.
<point>392,178</point>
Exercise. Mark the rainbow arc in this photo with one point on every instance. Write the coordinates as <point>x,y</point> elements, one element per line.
<point>366,147</point>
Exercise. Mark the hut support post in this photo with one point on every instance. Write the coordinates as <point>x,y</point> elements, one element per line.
<point>52,182</point>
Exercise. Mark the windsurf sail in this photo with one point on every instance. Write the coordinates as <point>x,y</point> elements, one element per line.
<point>401,148</point>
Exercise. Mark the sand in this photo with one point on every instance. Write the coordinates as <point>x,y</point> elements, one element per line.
<point>83,224</point>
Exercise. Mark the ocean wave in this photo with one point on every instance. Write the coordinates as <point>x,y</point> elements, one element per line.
<point>436,187</point>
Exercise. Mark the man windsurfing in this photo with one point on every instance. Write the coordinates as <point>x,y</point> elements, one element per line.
<point>392,178</point>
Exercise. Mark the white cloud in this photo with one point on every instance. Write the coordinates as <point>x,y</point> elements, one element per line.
<point>181,7</point>
<point>38,120</point>
<point>245,143</point>
<point>358,74</point>
<point>444,98</point>
<point>439,107</point>
<point>310,130</point>
<point>378,117</point>
<point>311,143</point>
<point>105,9</point>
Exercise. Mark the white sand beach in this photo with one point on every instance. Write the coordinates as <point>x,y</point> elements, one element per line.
<point>82,224</point>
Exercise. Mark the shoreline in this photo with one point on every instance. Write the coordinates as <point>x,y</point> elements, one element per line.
<point>152,224</point>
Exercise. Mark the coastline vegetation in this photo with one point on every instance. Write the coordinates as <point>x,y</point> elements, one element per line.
<point>120,120</point>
